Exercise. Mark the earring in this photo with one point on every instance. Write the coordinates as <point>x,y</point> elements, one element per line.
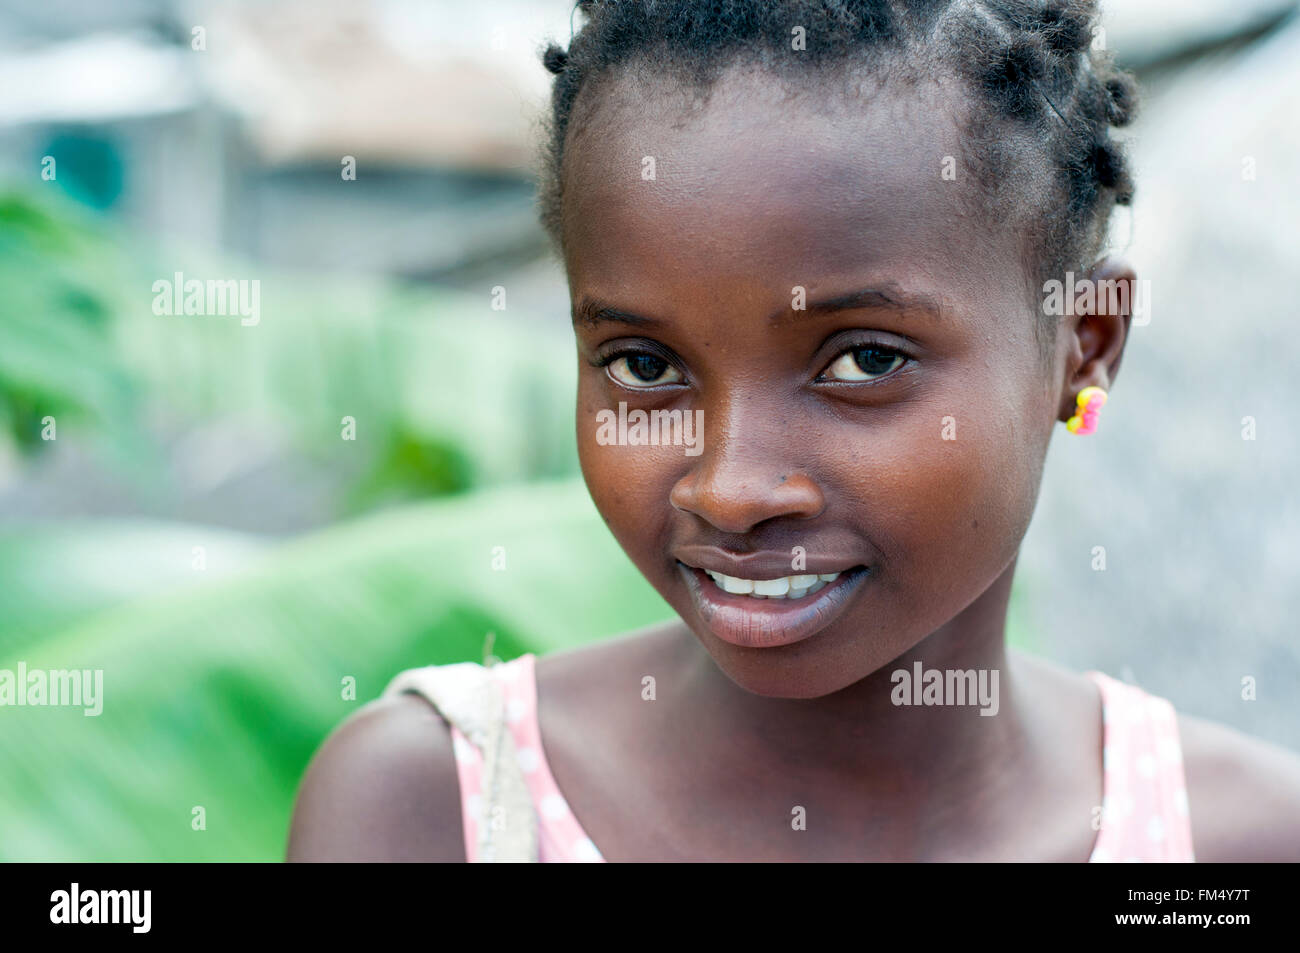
<point>1084,421</point>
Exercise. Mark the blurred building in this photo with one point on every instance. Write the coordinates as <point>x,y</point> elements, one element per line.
<point>227,124</point>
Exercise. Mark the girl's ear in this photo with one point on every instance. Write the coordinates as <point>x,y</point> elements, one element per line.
<point>1097,330</point>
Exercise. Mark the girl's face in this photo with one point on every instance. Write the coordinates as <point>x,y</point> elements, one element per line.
<point>888,421</point>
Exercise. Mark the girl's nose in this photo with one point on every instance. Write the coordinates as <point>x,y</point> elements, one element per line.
<point>736,488</point>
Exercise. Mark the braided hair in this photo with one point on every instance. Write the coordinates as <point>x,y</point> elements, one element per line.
<point>1043,98</point>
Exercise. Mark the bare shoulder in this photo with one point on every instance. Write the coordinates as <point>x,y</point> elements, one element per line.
<point>1243,794</point>
<point>383,787</point>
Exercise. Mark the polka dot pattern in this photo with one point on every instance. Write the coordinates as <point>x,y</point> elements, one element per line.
<point>561,838</point>
<point>1144,805</point>
<point>528,759</point>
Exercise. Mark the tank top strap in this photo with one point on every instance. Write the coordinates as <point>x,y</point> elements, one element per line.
<point>561,837</point>
<point>1144,814</point>
<point>499,821</point>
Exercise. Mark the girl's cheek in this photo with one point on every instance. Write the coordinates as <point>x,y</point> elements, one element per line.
<point>629,484</point>
<point>946,492</point>
<point>628,488</point>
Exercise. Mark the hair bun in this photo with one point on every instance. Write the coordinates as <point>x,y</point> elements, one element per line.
<point>1122,97</point>
<point>1106,164</point>
<point>555,59</point>
<point>1065,26</point>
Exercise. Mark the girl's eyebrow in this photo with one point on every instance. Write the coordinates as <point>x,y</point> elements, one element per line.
<point>590,312</point>
<point>888,297</point>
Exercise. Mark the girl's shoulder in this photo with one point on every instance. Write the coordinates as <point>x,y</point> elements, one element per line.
<point>382,787</point>
<point>385,786</point>
<point>1243,794</point>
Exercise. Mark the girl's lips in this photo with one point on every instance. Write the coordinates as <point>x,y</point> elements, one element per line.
<point>767,623</point>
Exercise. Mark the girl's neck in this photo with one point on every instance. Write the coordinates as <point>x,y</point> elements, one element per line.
<point>934,741</point>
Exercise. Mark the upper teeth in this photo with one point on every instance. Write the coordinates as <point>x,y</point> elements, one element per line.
<point>787,587</point>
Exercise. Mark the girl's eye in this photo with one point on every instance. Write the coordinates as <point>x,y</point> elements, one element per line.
<point>642,370</point>
<point>864,363</point>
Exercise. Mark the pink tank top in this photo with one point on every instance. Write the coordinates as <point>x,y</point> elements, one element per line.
<point>1143,814</point>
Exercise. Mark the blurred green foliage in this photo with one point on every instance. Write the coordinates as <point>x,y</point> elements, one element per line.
<point>446,393</point>
<point>58,280</point>
<point>216,694</point>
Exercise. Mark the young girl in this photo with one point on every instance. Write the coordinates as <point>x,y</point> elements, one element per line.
<point>819,233</point>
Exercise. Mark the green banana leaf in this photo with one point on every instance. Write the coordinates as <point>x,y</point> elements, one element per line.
<point>53,576</point>
<point>216,694</point>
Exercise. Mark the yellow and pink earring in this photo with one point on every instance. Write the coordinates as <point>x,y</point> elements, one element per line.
<point>1090,402</point>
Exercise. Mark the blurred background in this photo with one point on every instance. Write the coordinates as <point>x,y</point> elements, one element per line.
<point>237,522</point>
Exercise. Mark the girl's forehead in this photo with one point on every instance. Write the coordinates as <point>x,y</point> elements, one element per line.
<point>758,182</point>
